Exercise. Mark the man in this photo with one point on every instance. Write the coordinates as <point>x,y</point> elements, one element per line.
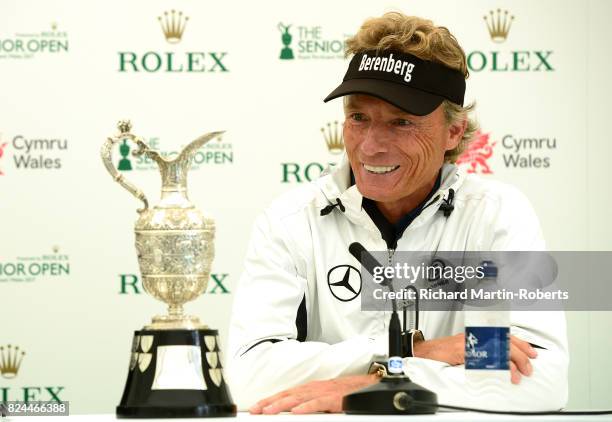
<point>297,346</point>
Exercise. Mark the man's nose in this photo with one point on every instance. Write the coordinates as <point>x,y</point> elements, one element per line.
<point>375,141</point>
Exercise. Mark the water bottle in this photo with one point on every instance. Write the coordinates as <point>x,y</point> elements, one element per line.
<point>487,343</point>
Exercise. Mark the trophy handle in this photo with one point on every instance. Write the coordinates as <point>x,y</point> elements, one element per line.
<point>107,158</point>
<point>186,155</point>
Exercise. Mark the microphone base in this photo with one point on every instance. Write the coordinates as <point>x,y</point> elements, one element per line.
<point>393,395</point>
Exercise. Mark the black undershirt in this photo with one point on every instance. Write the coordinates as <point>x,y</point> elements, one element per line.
<point>391,233</point>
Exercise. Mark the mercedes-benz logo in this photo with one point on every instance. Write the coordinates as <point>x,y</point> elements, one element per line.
<point>344,282</point>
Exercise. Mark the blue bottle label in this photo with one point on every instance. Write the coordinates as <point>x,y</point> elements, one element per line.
<point>487,348</point>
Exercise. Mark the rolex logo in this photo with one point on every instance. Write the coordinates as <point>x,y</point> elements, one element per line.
<point>10,361</point>
<point>498,24</point>
<point>173,24</point>
<point>333,138</point>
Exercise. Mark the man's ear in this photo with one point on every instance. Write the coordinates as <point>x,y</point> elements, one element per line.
<point>455,133</point>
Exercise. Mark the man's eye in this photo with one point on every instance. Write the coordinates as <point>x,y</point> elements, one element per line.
<point>358,117</point>
<point>403,122</point>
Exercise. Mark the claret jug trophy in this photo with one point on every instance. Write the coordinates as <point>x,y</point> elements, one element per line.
<point>175,364</point>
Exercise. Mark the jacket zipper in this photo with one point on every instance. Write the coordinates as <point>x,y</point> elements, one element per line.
<point>391,253</point>
<point>384,321</point>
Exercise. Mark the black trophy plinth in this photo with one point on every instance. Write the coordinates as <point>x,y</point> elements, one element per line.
<point>175,374</point>
<point>393,395</point>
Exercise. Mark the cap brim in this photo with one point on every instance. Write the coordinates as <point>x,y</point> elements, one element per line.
<point>413,101</point>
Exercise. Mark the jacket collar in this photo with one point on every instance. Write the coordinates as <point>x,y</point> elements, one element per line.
<point>335,183</point>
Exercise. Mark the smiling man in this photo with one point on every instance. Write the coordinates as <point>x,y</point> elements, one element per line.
<point>298,339</point>
<point>396,156</point>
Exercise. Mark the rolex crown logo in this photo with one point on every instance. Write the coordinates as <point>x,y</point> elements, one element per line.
<point>333,138</point>
<point>498,24</point>
<point>173,24</point>
<point>10,361</point>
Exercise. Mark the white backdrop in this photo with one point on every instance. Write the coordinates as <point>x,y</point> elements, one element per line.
<point>70,227</point>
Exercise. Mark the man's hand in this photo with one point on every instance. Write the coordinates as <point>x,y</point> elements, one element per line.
<point>452,351</point>
<point>314,396</point>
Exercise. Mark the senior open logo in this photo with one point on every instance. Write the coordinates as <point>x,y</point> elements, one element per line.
<point>46,266</point>
<point>28,44</point>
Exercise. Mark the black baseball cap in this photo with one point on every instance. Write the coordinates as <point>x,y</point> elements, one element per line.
<point>414,85</point>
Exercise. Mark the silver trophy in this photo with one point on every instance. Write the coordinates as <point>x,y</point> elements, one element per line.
<point>175,368</point>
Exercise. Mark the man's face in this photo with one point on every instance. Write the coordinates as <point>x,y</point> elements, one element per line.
<point>394,154</point>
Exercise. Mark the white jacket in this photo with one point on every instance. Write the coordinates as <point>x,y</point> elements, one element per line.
<point>292,250</point>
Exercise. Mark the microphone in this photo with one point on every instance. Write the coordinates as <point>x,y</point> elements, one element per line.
<point>367,260</point>
<point>395,330</point>
<point>382,398</point>
<point>447,206</point>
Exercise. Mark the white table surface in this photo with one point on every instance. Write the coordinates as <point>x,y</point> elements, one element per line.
<point>287,417</point>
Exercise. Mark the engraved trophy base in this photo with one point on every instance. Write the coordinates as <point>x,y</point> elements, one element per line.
<point>176,322</point>
<point>175,374</point>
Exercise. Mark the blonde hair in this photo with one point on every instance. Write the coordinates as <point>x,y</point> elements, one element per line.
<point>421,38</point>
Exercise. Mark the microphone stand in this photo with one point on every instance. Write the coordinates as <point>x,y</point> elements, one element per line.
<point>394,393</point>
